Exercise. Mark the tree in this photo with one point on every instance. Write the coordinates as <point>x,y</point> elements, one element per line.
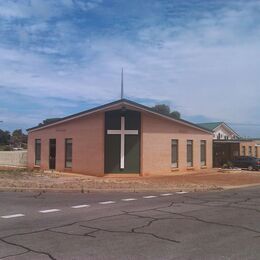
<point>175,114</point>
<point>18,138</point>
<point>165,109</point>
<point>9,141</point>
<point>49,121</point>
<point>162,108</point>
<point>4,137</point>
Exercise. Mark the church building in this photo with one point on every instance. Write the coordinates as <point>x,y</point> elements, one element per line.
<point>122,137</point>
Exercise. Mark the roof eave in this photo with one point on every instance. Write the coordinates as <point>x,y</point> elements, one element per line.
<point>116,103</point>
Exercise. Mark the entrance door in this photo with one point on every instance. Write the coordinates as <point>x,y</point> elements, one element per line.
<point>52,154</point>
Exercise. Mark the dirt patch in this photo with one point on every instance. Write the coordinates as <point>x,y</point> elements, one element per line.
<point>206,180</point>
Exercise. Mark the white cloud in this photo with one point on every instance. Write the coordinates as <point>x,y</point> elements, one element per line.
<point>43,9</point>
<point>207,66</point>
<point>88,5</point>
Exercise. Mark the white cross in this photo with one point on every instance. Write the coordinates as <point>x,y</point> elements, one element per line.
<point>122,132</point>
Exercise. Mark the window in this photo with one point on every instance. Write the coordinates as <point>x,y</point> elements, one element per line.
<point>250,150</point>
<point>175,153</point>
<point>68,153</point>
<point>203,153</point>
<point>243,150</point>
<point>37,151</point>
<point>256,152</point>
<point>218,135</point>
<point>189,153</point>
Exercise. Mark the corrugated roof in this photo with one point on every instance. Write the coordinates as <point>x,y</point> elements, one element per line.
<point>210,126</point>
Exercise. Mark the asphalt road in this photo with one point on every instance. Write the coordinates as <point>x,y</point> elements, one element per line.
<point>209,225</point>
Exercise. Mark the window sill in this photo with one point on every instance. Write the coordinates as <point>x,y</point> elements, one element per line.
<point>190,168</point>
<point>173,169</point>
<point>203,167</point>
<point>36,166</point>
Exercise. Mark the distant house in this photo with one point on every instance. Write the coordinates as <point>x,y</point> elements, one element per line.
<point>227,144</point>
<point>119,137</point>
<point>220,130</point>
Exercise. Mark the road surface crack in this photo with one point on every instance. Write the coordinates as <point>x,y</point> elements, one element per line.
<point>228,205</point>
<point>188,217</point>
<point>23,253</point>
<point>4,240</point>
<point>28,249</point>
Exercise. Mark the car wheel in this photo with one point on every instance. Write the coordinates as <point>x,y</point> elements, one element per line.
<point>250,168</point>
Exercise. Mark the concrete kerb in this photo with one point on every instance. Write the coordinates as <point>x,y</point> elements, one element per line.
<point>44,190</point>
<point>134,190</point>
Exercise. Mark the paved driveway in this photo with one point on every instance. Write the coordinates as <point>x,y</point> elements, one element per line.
<point>209,225</point>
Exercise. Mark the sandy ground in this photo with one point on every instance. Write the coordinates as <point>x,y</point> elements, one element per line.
<point>195,181</point>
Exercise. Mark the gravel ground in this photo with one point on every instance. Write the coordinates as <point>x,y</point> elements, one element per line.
<point>197,181</point>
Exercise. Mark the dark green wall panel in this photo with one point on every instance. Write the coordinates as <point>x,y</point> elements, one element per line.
<point>113,142</point>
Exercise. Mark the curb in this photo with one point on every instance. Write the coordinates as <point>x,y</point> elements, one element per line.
<point>44,190</point>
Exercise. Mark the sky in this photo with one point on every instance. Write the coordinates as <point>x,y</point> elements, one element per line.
<point>201,57</point>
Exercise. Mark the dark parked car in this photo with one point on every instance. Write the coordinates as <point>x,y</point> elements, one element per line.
<point>247,162</point>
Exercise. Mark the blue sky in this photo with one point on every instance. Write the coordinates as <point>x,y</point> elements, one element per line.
<point>202,57</point>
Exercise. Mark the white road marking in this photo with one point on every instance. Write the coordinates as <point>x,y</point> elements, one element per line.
<point>107,202</point>
<point>129,199</point>
<point>49,210</point>
<point>80,206</point>
<point>13,216</point>
<point>149,197</point>
<point>166,194</point>
<point>181,192</point>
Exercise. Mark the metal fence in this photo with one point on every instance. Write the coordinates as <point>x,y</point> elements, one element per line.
<point>13,158</point>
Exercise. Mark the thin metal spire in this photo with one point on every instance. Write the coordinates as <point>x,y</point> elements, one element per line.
<point>122,84</point>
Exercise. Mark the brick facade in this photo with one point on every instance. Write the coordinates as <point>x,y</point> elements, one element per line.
<point>156,143</point>
<point>87,133</point>
<point>255,146</point>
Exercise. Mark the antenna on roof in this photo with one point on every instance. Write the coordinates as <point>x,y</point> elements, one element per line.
<point>122,83</point>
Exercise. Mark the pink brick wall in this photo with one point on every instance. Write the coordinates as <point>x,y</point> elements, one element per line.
<point>87,135</point>
<point>156,145</point>
<point>253,144</point>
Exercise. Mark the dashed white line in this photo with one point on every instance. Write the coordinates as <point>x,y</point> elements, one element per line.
<point>86,205</point>
<point>181,192</point>
<point>80,206</point>
<point>107,202</point>
<point>166,194</point>
<point>129,199</point>
<point>49,210</point>
<point>149,197</point>
<point>13,216</point>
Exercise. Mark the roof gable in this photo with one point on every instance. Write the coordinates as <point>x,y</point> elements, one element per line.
<point>212,126</point>
<point>114,104</point>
